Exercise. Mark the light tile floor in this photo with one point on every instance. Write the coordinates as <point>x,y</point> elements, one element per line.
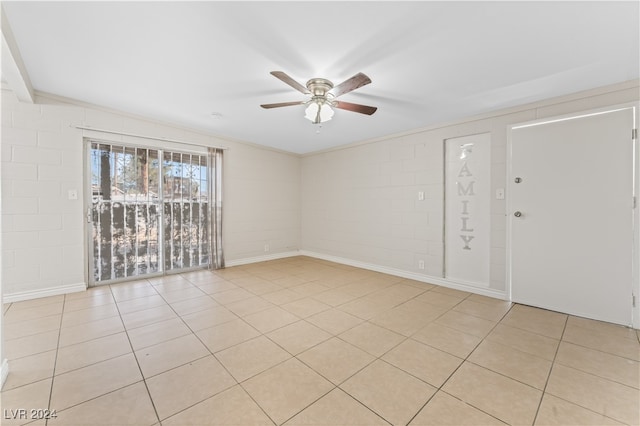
<point>301,341</point>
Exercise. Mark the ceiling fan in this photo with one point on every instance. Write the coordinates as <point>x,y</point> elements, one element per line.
<point>323,96</point>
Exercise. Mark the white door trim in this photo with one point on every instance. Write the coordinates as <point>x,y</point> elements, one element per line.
<point>636,187</point>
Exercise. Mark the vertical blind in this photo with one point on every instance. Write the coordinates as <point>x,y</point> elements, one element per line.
<point>215,193</point>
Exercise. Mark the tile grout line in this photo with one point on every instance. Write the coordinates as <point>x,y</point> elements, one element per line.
<point>370,409</point>
<point>133,352</point>
<point>331,390</point>
<point>511,348</point>
<point>591,373</point>
<point>249,378</point>
<point>602,351</point>
<point>553,364</point>
<point>334,386</point>
<point>466,359</point>
<point>4,311</point>
<point>319,279</point>
<point>484,337</point>
<point>194,334</point>
<point>406,338</point>
<point>301,361</point>
<point>216,358</point>
<point>53,373</point>
<point>379,358</point>
<point>62,347</point>
<point>585,372</point>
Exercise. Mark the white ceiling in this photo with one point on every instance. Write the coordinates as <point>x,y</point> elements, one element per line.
<point>430,62</point>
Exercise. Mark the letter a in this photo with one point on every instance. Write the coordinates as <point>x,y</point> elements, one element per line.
<point>464,169</point>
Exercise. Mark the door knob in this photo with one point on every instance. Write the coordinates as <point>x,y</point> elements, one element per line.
<point>518,214</point>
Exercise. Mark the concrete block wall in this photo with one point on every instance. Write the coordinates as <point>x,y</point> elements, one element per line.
<point>360,202</point>
<point>356,203</point>
<point>43,231</point>
<point>262,203</point>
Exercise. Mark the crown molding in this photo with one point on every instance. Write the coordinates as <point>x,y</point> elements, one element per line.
<point>557,100</point>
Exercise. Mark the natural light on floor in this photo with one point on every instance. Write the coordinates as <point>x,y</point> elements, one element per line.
<point>305,341</point>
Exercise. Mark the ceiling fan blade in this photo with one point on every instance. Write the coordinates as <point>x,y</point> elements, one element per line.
<point>281,104</point>
<point>290,81</point>
<point>353,83</point>
<point>362,109</point>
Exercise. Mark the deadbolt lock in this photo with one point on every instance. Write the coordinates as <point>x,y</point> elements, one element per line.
<point>517,214</point>
<point>518,180</point>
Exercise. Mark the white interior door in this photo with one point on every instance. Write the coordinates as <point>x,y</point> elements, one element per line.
<point>572,244</point>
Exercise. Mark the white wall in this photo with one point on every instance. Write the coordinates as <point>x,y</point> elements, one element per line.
<point>360,204</point>
<point>43,236</point>
<point>356,204</point>
<point>262,203</point>
<point>4,365</point>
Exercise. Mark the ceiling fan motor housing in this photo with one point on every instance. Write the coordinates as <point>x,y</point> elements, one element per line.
<point>319,86</point>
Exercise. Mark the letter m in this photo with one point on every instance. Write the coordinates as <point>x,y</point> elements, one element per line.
<point>465,191</point>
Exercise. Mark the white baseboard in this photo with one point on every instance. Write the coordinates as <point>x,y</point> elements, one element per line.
<point>44,292</point>
<point>444,282</point>
<point>4,372</point>
<point>246,261</point>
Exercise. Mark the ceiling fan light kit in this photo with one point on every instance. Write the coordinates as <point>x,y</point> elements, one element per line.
<point>318,112</point>
<point>319,108</point>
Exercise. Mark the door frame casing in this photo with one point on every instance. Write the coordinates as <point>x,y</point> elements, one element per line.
<point>635,284</point>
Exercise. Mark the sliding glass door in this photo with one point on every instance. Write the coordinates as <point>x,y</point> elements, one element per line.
<point>149,211</point>
<point>185,207</point>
